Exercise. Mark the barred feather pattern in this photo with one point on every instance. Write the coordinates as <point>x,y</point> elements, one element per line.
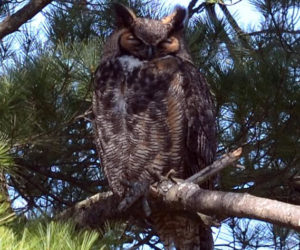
<point>181,232</point>
<point>154,115</point>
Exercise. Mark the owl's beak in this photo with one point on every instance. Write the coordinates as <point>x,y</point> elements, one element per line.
<point>151,52</point>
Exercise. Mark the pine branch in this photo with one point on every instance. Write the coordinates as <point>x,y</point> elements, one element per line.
<point>244,38</point>
<point>193,10</point>
<point>268,31</point>
<point>11,23</point>
<point>86,185</point>
<point>224,36</point>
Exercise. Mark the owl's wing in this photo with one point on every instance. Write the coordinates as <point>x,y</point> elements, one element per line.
<point>201,122</point>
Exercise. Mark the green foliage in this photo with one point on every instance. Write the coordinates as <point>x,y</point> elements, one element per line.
<point>42,111</point>
<point>6,214</point>
<point>40,235</point>
<point>19,233</point>
<point>6,163</point>
<point>5,157</point>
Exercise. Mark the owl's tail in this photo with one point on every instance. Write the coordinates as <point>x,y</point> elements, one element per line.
<point>182,232</point>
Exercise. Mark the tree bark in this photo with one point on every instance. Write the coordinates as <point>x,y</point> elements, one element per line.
<point>11,23</point>
<point>192,198</point>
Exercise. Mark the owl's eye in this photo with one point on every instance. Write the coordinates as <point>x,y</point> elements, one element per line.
<point>129,42</point>
<point>131,39</point>
<point>168,42</point>
<point>169,45</point>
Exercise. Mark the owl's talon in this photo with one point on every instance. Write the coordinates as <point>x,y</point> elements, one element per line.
<point>159,177</point>
<point>171,176</point>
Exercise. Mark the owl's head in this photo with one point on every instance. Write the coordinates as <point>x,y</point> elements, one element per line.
<point>148,38</point>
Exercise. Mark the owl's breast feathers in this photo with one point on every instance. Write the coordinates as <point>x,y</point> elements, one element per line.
<point>154,114</point>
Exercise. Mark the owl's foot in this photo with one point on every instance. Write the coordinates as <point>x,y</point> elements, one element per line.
<point>171,176</point>
<point>140,190</point>
<point>158,177</point>
<point>136,191</point>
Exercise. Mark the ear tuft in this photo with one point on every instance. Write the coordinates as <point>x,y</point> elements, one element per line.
<point>124,16</point>
<point>177,18</point>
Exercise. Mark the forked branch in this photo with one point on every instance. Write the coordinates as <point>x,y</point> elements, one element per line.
<point>11,23</point>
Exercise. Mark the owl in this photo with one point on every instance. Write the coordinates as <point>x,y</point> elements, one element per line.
<point>153,112</point>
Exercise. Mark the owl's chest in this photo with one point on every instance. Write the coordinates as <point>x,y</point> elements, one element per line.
<point>135,86</point>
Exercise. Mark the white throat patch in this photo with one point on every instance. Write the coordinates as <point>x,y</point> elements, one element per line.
<point>130,63</point>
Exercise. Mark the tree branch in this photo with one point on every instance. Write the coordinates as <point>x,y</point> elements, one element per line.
<point>216,167</point>
<point>268,31</point>
<point>11,23</point>
<point>93,211</point>
<point>188,198</point>
<point>86,185</point>
<point>244,38</point>
<point>228,4</point>
<point>192,198</point>
<point>192,9</point>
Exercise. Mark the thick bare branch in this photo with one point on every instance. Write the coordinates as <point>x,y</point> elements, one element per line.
<point>11,23</point>
<point>192,198</point>
<point>188,198</point>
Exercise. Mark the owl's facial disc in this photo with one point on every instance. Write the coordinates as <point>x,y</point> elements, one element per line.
<point>134,46</point>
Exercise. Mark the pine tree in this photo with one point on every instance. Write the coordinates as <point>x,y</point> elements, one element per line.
<point>48,160</point>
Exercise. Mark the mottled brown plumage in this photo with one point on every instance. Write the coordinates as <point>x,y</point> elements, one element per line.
<point>153,111</point>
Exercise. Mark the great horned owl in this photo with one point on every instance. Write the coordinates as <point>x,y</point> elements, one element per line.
<point>153,112</point>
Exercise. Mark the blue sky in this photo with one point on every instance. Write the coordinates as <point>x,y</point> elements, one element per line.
<point>243,11</point>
